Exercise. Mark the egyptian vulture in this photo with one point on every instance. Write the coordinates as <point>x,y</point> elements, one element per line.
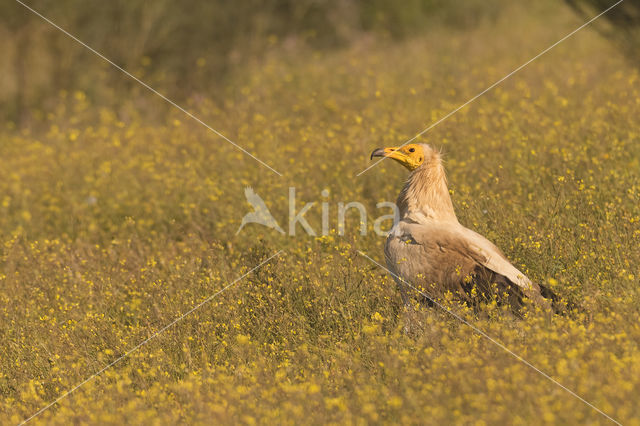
<point>429,248</point>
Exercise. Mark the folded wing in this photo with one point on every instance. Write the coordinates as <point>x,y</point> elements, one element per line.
<point>444,244</point>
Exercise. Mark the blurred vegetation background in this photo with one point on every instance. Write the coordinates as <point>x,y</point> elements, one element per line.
<point>623,20</point>
<point>118,214</point>
<point>195,46</point>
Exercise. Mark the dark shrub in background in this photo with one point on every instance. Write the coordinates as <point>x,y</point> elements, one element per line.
<point>621,24</point>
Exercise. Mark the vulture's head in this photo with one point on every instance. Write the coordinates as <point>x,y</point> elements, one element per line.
<point>411,156</point>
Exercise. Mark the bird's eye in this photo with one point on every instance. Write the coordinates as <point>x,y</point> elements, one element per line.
<point>412,149</point>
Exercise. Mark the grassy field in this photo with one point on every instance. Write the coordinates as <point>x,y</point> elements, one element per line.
<point>116,220</point>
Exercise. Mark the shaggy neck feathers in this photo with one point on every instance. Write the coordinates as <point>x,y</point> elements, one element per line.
<point>426,193</point>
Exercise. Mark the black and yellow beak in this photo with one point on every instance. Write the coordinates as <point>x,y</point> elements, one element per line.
<point>391,152</point>
<point>411,156</point>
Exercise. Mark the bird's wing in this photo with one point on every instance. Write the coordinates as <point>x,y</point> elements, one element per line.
<point>450,236</point>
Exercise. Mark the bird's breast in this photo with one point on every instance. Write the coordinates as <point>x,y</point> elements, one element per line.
<point>405,257</point>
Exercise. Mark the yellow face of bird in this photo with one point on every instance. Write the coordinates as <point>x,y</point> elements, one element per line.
<point>411,156</point>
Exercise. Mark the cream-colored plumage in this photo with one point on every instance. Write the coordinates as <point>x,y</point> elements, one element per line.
<point>428,247</point>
